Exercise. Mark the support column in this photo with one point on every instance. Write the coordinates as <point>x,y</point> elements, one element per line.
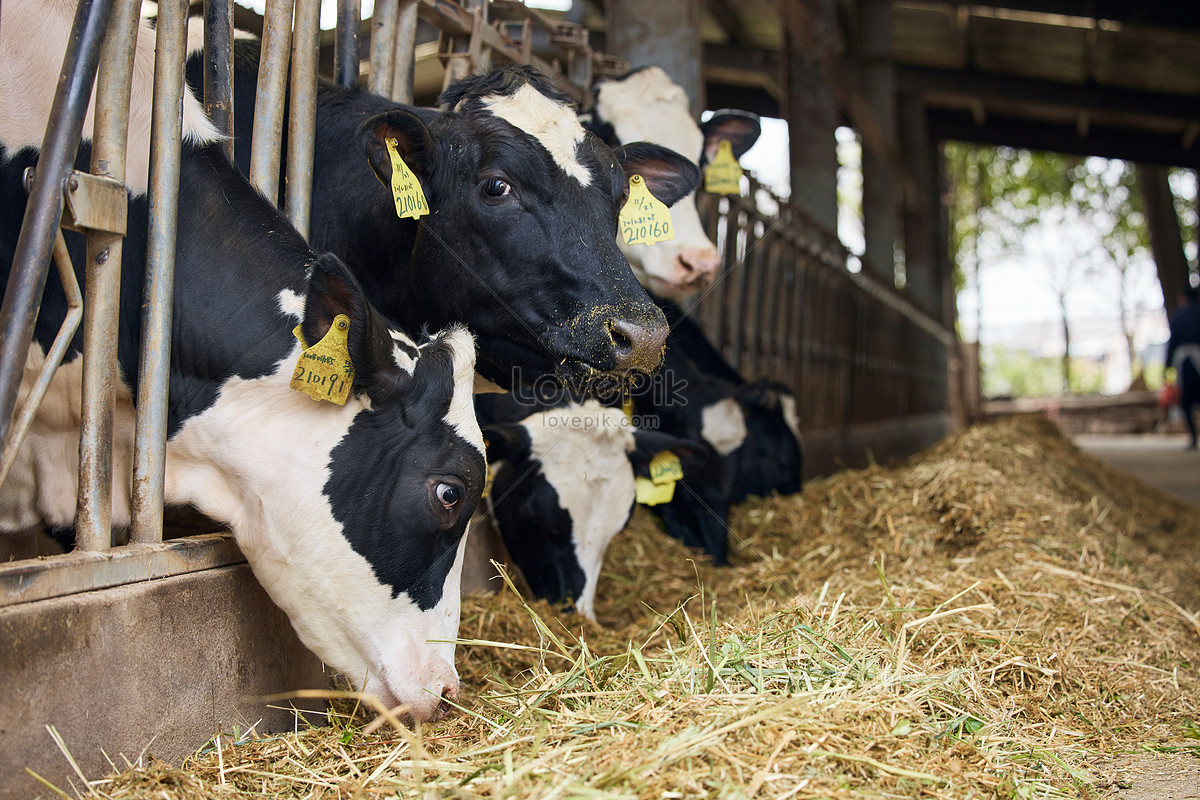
<point>881,189</point>
<point>1166,239</point>
<point>924,282</point>
<point>809,36</point>
<point>665,33</point>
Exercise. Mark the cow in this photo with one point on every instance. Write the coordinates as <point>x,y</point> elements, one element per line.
<point>749,429</point>
<point>646,104</point>
<point>519,242</point>
<point>352,516</point>
<point>564,486</point>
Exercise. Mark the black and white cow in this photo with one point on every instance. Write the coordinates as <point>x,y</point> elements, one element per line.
<point>563,488</point>
<point>750,429</point>
<point>520,241</point>
<point>646,105</point>
<point>352,516</point>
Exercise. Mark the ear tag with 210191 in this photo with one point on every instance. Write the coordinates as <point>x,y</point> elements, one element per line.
<point>324,371</point>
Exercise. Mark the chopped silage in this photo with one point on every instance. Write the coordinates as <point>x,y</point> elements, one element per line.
<point>996,618</point>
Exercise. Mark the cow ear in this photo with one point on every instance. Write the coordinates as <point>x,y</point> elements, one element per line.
<point>647,444</point>
<point>741,128</point>
<point>668,175</point>
<point>506,442</point>
<point>413,143</point>
<point>333,290</point>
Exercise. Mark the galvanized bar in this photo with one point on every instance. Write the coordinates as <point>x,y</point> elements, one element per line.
<point>302,118</point>
<point>62,260</point>
<point>80,571</point>
<point>345,46</point>
<point>218,67</point>
<point>266,147</point>
<point>31,256</point>
<point>403,56</point>
<point>102,271</point>
<point>383,45</point>
<point>149,466</point>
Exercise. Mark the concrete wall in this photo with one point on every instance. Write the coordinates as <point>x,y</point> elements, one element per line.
<point>150,668</point>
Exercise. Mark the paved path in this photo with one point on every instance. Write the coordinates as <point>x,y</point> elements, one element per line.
<point>1158,460</point>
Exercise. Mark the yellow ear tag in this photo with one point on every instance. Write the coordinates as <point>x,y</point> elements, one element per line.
<point>723,175</point>
<point>659,488</point>
<point>627,407</point>
<point>406,189</point>
<point>644,218</point>
<point>324,371</point>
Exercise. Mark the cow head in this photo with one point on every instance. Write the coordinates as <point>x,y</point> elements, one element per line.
<point>774,458</point>
<point>353,517</point>
<point>522,231</point>
<point>647,105</point>
<point>564,488</point>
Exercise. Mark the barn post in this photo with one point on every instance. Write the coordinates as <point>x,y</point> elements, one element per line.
<point>809,35</point>
<point>1166,239</point>
<point>666,34</point>
<point>880,182</point>
<point>403,56</point>
<point>383,45</point>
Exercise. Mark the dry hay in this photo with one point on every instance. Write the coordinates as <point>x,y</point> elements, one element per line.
<point>996,618</point>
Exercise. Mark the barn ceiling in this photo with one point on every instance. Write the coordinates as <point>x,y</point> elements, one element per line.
<point>1111,77</point>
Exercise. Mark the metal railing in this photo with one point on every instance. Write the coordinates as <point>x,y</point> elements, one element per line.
<point>854,351</point>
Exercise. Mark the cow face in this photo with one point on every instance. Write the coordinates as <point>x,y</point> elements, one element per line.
<point>522,234</point>
<point>563,489</point>
<point>647,105</point>
<point>773,460</point>
<point>353,517</point>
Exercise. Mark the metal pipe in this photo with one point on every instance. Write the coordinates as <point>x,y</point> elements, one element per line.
<point>54,357</point>
<point>102,279</point>
<point>31,256</point>
<point>218,68</point>
<point>302,118</point>
<point>383,45</point>
<point>265,149</point>
<point>405,52</point>
<point>149,465</point>
<point>345,48</point>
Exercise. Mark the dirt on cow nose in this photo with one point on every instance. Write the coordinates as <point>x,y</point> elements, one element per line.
<point>637,346</point>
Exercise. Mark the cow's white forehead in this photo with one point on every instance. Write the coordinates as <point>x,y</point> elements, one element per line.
<point>554,125</point>
<point>649,106</point>
<point>461,415</point>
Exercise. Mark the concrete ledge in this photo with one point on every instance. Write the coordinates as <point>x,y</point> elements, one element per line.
<point>835,449</point>
<point>152,667</point>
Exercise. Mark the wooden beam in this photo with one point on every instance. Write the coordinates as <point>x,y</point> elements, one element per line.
<point>975,83</point>
<point>1175,14</point>
<point>1102,140</point>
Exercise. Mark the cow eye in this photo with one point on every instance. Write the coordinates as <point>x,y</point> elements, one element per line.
<point>495,187</point>
<point>448,495</point>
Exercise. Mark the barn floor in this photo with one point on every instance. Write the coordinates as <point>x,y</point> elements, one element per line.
<point>1160,461</point>
<point>1003,616</point>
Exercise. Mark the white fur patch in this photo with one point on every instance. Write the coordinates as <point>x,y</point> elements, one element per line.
<point>33,38</point>
<point>461,415</point>
<point>584,453</point>
<point>649,107</point>
<point>723,425</point>
<point>791,416</point>
<point>555,126</point>
<point>292,304</point>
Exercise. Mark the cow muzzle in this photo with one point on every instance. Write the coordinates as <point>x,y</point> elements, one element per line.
<point>637,345</point>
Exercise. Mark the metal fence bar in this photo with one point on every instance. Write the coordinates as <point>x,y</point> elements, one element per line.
<point>404,51</point>
<point>149,466</point>
<point>383,46</point>
<point>345,47</point>
<point>218,67</point>
<point>31,255</point>
<point>101,375</point>
<point>302,115</point>
<point>268,112</point>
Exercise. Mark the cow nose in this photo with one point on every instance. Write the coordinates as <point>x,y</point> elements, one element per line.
<point>445,705</point>
<point>636,345</point>
<point>697,264</point>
